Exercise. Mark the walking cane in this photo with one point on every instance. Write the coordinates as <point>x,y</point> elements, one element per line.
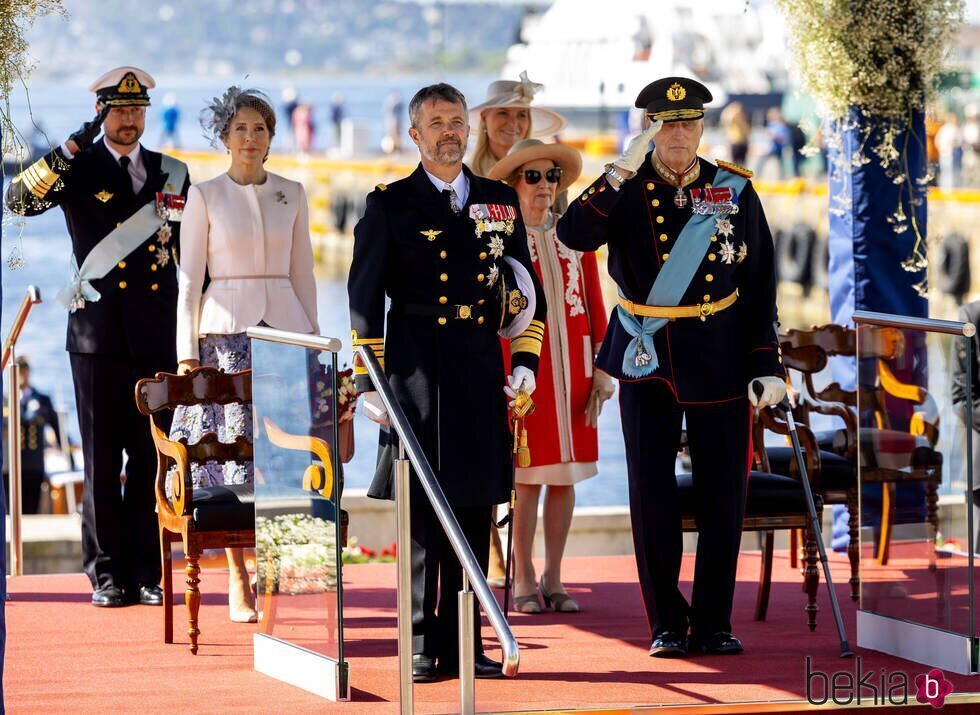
<point>845,649</point>
<point>523,406</point>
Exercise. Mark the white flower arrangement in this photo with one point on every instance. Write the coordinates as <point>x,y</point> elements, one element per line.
<point>870,66</point>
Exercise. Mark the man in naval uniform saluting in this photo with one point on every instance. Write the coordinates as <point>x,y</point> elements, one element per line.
<point>122,204</point>
<point>692,255</point>
<point>447,247</point>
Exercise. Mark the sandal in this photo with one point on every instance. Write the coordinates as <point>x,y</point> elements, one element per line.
<point>527,604</point>
<point>561,602</point>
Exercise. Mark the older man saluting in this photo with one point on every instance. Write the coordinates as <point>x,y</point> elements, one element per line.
<point>692,255</point>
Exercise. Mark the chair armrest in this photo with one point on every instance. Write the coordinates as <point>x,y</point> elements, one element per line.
<point>774,420</point>
<point>314,478</point>
<point>181,487</point>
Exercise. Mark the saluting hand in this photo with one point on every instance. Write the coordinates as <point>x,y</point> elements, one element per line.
<point>85,135</point>
<point>632,158</point>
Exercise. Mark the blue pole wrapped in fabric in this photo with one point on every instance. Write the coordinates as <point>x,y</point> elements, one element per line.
<point>876,216</point>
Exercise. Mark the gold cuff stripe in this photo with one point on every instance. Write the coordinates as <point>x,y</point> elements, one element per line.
<point>525,344</point>
<point>671,115</point>
<point>361,370</point>
<point>39,178</point>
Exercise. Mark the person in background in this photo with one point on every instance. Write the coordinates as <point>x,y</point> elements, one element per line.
<point>949,144</point>
<point>971,145</point>
<point>966,382</point>
<point>446,247</point>
<point>691,341</point>
<point>393,109</point>
<point>249,230</point>
<point>505,118</point>
<point>562,434</point>
<point>37,415</point>
<point>778,132</point>
<point>170,118</point>
<point>303,127</point>
<point>738,131</point>
<point>127,202</point>
<point>337,114</point>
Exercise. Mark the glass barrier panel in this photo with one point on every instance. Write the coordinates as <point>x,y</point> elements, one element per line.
<point>298,483</point>
<point>914,470</point>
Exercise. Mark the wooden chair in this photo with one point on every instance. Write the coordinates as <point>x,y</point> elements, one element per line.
<point>773,501</point>
<point>883,344</point>
<point>205,518</point>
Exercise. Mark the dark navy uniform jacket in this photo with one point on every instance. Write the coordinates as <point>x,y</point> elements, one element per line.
<point>440,351</point>
<point>702,361</point>
<point>137,313</point>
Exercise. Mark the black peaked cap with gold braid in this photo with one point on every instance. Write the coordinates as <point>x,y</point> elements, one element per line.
<point>674,99</point>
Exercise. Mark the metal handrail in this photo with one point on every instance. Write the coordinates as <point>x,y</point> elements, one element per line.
<point>303,340</point>
<point>471,568</point>
<point>933,325</point>
<point>32,298</point>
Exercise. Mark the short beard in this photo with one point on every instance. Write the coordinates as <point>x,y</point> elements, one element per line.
<point>117,139</point>
<point>449,154</point>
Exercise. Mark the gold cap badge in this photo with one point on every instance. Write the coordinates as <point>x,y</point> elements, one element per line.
<point>676,92</point>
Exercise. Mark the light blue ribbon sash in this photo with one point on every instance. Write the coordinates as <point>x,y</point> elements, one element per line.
<point>117,244</point>
<point>675,276</point>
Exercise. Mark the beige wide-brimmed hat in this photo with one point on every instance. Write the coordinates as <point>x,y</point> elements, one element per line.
<point>527,150</point>
<point>507,93</point>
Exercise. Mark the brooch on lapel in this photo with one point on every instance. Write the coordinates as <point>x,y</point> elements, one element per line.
<point>281,198</point>
<point>103,196</point>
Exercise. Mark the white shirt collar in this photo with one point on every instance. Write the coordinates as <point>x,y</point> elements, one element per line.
<point>135,155</point>
<point>460,184</point>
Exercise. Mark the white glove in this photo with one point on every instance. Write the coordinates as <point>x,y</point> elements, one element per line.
<point>374,408</point>
<point>632,158</point>
<point>519,375</point>
<point>603,388</point>
<point>773,391</point>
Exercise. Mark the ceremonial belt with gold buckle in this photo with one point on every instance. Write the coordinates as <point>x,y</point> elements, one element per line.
<point>460,312</point>
<point>702,310</point>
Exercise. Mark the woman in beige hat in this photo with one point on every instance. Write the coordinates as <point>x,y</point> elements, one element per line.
<point>562,433</point>
<point>505,118</point>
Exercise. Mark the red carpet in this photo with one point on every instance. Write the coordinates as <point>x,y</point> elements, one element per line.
<point>63,655</point>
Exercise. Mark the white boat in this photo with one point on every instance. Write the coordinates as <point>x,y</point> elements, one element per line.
<point>591,55</point>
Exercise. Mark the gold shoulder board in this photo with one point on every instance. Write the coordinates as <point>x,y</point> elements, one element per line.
<point>381,187</point>
<point>734,168</point>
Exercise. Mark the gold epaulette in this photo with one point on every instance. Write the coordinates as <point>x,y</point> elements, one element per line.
<point>733,168</point>
<point>381,187</point>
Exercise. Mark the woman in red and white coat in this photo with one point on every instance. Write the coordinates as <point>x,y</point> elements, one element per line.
<point>561,432</point>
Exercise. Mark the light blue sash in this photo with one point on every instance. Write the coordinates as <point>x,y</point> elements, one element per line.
<point>118,243</point>
<point>640,358</point>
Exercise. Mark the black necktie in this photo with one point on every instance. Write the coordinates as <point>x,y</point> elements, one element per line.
<point>127,179</point>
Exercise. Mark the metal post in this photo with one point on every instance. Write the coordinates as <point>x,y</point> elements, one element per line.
<point>467,689</point>
<point>13,459</point>
<point>403,549</point>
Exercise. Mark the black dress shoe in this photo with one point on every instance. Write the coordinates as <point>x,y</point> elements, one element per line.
<point>108,597</point>
<point>483,667</point>
<point>150,595</point>
<point>423,668</point>
<point>720,643</point>
<point>668,644</point>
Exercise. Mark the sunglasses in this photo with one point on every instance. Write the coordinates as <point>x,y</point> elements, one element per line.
<point>533,176</point>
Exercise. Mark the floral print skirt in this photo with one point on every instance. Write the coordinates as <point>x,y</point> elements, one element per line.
<point>230,353</point>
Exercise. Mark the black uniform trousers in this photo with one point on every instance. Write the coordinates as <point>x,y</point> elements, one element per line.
<point>718,435</point>
<point>437,578</point>
<point>120,538</point>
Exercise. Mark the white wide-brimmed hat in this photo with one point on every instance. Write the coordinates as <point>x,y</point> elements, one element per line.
<point>527,150</point>
<point>507,93</point>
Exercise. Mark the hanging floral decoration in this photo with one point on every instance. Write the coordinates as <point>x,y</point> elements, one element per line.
<point>871,68</point>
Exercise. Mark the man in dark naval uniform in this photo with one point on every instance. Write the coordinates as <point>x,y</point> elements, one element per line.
<point>122,204</point>
<point>445,245</point>
<point>692,255</point>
